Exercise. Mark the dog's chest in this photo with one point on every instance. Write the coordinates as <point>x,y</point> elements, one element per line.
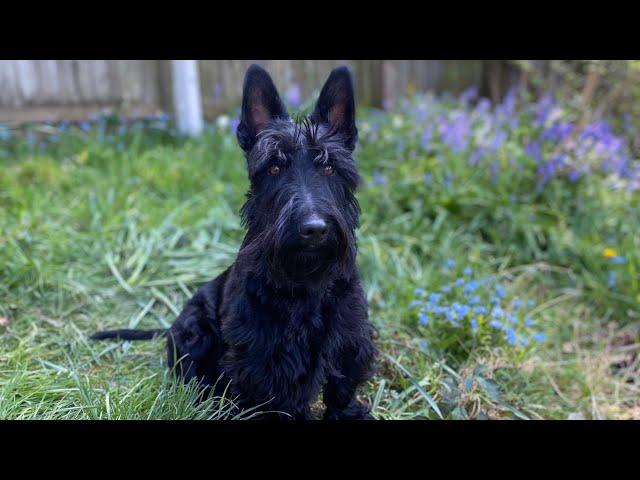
<point>285,346</point>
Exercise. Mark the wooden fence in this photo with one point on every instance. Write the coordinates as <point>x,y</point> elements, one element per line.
<point>37,90</point>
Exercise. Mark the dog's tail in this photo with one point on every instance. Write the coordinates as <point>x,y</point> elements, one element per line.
<point>128,334</point>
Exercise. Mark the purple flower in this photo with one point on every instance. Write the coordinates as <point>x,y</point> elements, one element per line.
<point>233,124</point>
<point>469,94</point>
<point>533,150</point>
<point>426,137</point>
<point>558,132</point>
<point>498,140</point>
<point>543,109</point>
<point>379,179</point>
<point>476,156</point>
<point>548,170</point>
<point>294,95</point>
<point>573,176</point>
<point>456,131</point>
<point>483,107</point>
<point>448,179</point>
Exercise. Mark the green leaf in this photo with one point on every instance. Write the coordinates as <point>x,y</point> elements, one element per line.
<point>490,387</point>
<point>422,391</point>
<point>459,413</point>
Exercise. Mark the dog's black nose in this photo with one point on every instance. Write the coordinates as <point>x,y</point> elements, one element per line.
<point>314,229</point>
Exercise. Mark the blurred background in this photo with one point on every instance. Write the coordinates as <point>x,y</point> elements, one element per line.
<point>46,90</point>
<point>499,244</point>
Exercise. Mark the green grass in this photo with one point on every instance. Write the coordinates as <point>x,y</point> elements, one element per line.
<point>104,230</point>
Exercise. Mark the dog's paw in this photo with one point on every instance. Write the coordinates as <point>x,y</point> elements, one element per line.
<point>356,411</point>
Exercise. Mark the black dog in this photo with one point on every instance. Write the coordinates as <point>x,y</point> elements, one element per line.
<point>289,316</point>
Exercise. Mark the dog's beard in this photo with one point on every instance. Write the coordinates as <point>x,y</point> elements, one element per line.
<point>302,264</point>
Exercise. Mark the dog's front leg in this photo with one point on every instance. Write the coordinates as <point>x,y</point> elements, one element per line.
<point>340,391</point>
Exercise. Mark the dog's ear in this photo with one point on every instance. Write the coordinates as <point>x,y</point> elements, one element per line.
<point>260,104</point>
<point>336,106</point>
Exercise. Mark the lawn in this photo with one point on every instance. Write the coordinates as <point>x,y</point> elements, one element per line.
<point>499,249</point>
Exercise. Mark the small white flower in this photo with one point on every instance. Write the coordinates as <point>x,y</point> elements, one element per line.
<point>397,121</point>
<point>223,121</point>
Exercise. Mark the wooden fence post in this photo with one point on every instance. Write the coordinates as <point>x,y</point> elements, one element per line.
<point>186,96</point>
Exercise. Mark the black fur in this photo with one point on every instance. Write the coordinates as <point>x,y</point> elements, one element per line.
<point>289,317</point>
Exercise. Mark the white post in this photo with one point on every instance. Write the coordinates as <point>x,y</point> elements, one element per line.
<point>186,96</point>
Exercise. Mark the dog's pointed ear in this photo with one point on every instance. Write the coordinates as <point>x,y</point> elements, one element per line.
<point>336,106</point>
<point>260,104</point>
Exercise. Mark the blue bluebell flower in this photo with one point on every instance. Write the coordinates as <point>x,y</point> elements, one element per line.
<point>415,304</point>
<point>540,337</point>
<point>474,325</point>
<point>435,297</point>
<point>510,335</point>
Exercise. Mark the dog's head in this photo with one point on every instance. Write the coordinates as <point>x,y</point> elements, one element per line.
<point>301,212</point>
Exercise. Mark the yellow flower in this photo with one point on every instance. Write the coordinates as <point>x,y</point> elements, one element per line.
<point>609,252</point>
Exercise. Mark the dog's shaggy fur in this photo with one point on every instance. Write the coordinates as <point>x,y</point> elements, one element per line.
<point>289,316</point>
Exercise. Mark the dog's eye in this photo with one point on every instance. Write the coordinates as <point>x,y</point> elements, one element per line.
<point>327,170</point>
<point>274,170</point>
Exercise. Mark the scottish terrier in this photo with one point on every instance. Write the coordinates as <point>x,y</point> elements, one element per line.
<point>289,317</point>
